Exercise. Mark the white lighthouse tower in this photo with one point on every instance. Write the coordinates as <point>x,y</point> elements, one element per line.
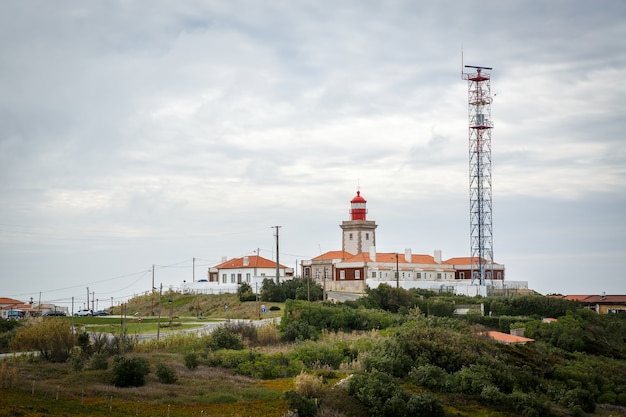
<point>359,234</point>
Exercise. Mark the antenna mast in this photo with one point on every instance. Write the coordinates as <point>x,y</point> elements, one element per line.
<point>480,126</point>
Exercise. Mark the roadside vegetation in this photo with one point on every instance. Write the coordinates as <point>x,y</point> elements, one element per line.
<point>391,353</point>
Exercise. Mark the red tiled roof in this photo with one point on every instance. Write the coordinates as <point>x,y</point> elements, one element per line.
<point>609,299</point>
<point>390,258</point>
<point>253,262</point>
<point>9,301</point>
<point>595,299</point>
<point>507,338</point>
<point>462,261</point>
<point>334,254</point>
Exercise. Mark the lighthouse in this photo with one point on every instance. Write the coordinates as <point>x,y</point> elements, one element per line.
<point>359,234</point>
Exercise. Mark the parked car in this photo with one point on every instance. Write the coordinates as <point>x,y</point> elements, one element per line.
<point>100,313</point>
<point>83,312</point>
<point>54,313</point>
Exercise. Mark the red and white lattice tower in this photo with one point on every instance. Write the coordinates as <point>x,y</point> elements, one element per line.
<point>480,126</point>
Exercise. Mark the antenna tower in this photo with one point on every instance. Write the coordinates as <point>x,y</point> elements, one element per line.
<point>480,126</point>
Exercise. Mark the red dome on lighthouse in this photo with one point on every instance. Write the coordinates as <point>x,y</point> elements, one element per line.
<point>358,209</point>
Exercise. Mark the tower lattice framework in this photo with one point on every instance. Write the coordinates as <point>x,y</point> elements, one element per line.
<point>480,126</point>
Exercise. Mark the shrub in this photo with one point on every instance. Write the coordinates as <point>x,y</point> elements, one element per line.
<point>316,354</point>
<point>431,377</point>
<point>99,361</point>
<point>245,329</point>
<point>129,372</point>
<point>52,338</point>
<point>309,386</point>
<point>191,360</point>
<point>84,342</point>
<point>306,407</point>
<point>385,397</point>
<point>298,330</point>
<point>223,338</point>
<point>268,334</point>
<point>165,374</point>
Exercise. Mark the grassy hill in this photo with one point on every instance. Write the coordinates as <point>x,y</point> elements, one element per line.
<point>393,353</point>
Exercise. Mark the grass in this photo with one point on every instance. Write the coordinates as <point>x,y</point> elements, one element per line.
<point>45,389</point>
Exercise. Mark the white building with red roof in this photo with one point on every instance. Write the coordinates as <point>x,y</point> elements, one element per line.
<point>358,265</point>
<point>228,275</point>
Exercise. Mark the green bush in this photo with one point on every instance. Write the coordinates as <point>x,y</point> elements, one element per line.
<point>165,374</point>
<point>244,329</point>
<point>191,360</point>
<point>305,407</point>
<point>129,372</point>
<point>385,397</point>
<point>99,361</point>
<point>223,338</point>
<point>431,377</point>
<point>319,354</point>
<point>297,330</point>
<point>84,342</point>
<point>389,356</point>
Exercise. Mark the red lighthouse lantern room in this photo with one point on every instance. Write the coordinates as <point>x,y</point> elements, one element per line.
<point>358,210</point>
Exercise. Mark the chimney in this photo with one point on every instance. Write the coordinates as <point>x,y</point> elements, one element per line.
<point>246,261</point>
<point>437,256</point>
<point>407,255</point>
<point>373,253</point>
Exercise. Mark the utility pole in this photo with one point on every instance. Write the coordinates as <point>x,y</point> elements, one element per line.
<point>277,257</point>
<point>397,272</point>
<point>193,270</point>
<point>159,319</point>
<point>152,309</point>
<point>87,298</point>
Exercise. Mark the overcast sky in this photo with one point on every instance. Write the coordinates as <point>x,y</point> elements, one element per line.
<point>135,133</point>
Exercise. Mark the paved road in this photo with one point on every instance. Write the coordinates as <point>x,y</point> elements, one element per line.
<point>203,328</point>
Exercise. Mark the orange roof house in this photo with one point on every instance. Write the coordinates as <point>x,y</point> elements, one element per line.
<point>506,338</point>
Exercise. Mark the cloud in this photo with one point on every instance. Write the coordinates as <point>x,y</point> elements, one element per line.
<point>182,128</point>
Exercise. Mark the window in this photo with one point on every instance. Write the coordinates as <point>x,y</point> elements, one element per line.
<point>350,236</point>
<point>224,278</point>
<point>462,275</point>
<point>367,236</point>
<point>418,275</point>
<point>238,278</point>
<point>248,277</point>
<point>373,274</point>
<point>499,274</point>
<point>342,274</point>
<point>403,275</point>
<point>232,278</point>
<point>357,274</point>
<point>438,275</point>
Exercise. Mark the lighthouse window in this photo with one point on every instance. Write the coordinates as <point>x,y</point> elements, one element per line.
<point>350,236</point>
<point>367,236</point>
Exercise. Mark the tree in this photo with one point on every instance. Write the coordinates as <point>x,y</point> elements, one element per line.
<point>245,293</point>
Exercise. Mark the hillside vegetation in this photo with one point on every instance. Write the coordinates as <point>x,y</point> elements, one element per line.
<point>391,353</point>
